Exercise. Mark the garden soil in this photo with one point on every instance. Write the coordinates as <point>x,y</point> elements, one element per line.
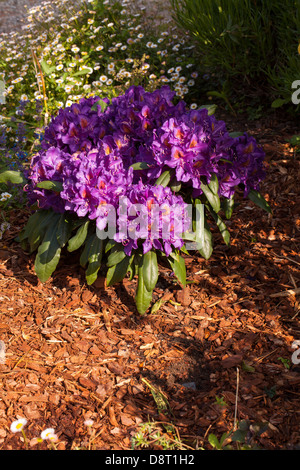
<point>213,354</point>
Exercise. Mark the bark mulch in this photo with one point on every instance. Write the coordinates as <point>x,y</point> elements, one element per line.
<point>75,352</point>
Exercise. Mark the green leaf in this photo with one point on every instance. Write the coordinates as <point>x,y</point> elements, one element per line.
<point>109,245</point>
<point>117,272</point>
<point>64,230</point>
<point>46,69</point>
<point>278,103</point>
<point>213,440</point>
<point>150,270</point>
<point>116,255</point>
<point>206,248</point>
<point>79,238</point>
<point>177,264</point>
<point>84,257</point>
<point>31,223</point>
<point>211,108</point>
<point>239,435</point>
<point>39,225</point>
<point>214,184</point>
<point>100,103</point>
<point>143,297</point>
<point>15,177</point>
<point>164,179</point>
<point>228,206</point>
<point>212,197</point>
<point>259,200</point>
<point>236,134</point>
<point>175,185</point>
<point>140,166</point>
<point>84,71</point>
<point>94,259</point>
<point>247,367</point>
<point>157,305</point>
<point>221,226</point>
<point>51,185</point>
<point>48,254</point>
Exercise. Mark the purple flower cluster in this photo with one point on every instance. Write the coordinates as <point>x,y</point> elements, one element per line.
<point>89,150</point>
<point>162,218</point>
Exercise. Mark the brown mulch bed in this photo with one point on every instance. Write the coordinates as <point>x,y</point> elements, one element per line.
<point>75,352</point>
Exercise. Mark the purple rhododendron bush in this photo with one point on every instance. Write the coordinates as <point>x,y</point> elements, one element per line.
<point>134,180</point>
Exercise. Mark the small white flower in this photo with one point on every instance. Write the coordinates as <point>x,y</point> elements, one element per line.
<point>89,422</point>
<point>59,67</point>
<point>17,80</point>
<point>99,48</point>
<point>103,78</point>
<point>5,196</point>
<point>4,226</point>
<point>18,425</point>
<point>47,433</point>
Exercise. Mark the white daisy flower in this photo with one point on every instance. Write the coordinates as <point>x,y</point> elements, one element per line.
<point>18,425</point>
<point>47,433</point>
<point>17,80</point>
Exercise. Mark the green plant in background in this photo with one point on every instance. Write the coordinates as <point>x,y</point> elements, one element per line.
<point>242,438</point>
<point>287,67</point>
<point>91,48</point>
<point>248,42</point>
<point>295,142</point>
<point>164,435</point>
<point>285,362</point>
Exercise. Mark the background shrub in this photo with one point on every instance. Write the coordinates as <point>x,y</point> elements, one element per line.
<point>248,42</point>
